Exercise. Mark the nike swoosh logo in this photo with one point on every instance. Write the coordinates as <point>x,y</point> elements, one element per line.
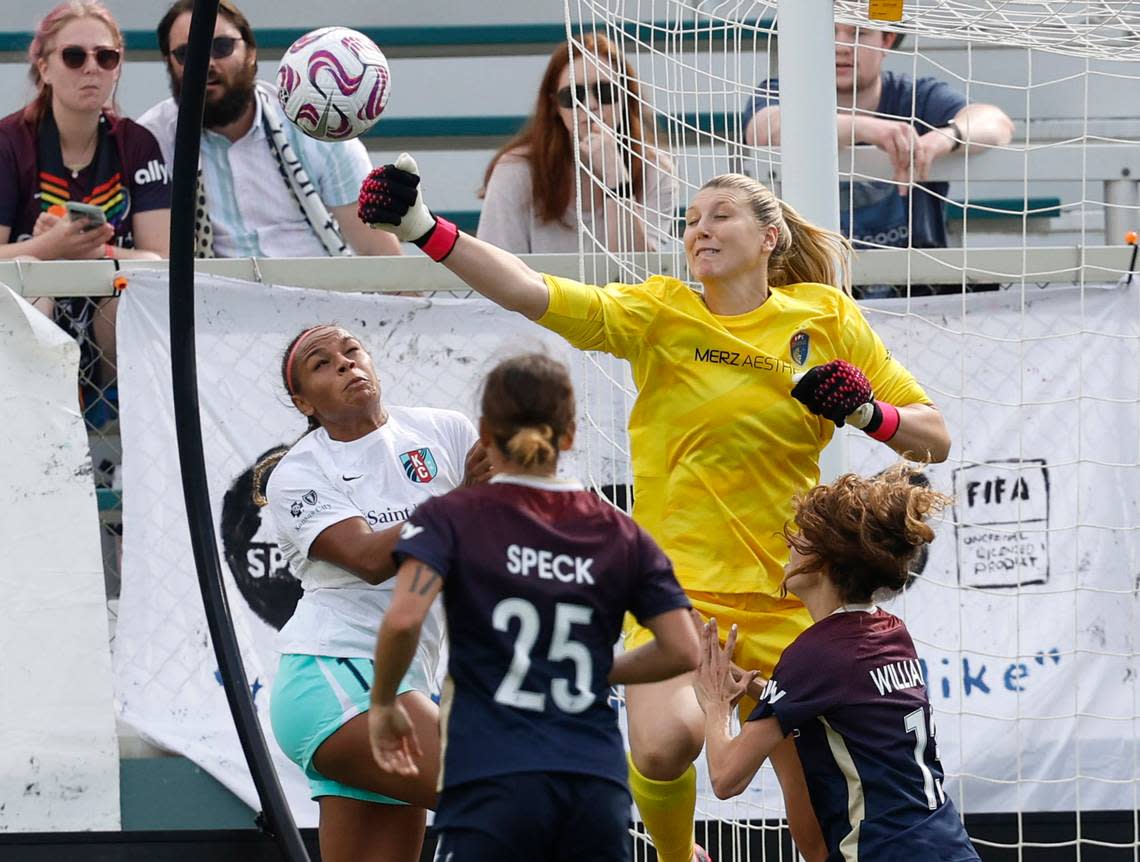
<point>351,478</point>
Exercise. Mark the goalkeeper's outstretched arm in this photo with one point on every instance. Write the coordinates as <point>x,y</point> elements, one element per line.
<point>391,200</point>
<point>499,276</point>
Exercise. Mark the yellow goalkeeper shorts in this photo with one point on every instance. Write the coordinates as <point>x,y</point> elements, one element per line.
<point>766,625</point>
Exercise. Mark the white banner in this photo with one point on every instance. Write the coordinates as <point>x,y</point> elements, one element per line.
<point>1025,612</point>
<point>59,758</point>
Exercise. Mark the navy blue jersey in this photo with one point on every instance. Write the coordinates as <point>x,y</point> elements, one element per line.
<point>537,576</point>
<point>850,689</point>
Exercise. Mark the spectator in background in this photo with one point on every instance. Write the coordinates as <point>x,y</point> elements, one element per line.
<point>628,191</point>
<point>257,170</point>
<point>924,120</point>
<point>70,145</point>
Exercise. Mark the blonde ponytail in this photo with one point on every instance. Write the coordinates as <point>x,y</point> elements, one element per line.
<point>811,254</point>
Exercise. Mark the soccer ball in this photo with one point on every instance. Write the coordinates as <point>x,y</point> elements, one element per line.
<point>333,83</point>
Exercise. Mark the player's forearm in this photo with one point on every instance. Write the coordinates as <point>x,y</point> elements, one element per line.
<point>499,275</point>
<point>395,649</point>
<point>373,561</point>
<point>922,434</point>
<point>650,663</point>
<point>674,650</point>
<point>729,773</point>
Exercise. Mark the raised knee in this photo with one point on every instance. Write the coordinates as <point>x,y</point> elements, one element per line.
<point>665,762</point>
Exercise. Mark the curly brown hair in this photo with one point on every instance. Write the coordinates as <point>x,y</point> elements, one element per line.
<point>865,532</point>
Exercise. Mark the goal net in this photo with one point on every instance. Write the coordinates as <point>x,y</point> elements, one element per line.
<point>1025,330</point>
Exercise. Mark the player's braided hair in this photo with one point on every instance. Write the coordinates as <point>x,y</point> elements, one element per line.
<point>804,251</point>
<point>865,532</point>
<point>264,467</point>
<point>528,405</point>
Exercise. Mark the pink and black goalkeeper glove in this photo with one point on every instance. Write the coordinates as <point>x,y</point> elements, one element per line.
<point>842,393</point>
<point>391,200</point>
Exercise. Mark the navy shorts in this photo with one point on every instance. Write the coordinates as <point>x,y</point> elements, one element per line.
<point>534,817</point>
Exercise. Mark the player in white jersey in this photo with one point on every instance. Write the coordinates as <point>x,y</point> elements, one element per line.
<point>338,498</point>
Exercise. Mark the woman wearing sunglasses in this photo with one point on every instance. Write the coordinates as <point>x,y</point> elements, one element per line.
<point>78,182</point>
<point>599,125</point>
<point>69,145</point>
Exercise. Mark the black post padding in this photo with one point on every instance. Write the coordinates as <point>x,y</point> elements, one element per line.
<point>184,375</point>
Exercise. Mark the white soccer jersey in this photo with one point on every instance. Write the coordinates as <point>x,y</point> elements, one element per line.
<point>418,453</point>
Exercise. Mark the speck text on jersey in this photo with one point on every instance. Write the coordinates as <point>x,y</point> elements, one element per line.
<point>548,565</point>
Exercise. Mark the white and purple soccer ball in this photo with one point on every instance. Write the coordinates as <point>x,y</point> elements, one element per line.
<point>333,83</point>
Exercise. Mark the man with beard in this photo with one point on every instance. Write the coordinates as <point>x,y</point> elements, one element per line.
<point>257,171</point>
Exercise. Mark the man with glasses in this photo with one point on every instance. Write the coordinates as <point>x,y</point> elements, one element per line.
<point>910,120</point>
<point>257,171</point>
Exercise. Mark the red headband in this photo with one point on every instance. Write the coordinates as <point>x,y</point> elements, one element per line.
<point>293,353</point>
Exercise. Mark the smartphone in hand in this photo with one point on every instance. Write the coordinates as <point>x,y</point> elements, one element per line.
<point>93,215</point>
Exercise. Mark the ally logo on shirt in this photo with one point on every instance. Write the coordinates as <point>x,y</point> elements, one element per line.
<point>800,345</point>
<point>419,465</point>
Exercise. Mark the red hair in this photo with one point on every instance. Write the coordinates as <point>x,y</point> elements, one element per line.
<point>52,23</point>
<point>545,143</point>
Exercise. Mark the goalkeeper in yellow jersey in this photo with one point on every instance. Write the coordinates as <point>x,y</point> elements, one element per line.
<point>740,387</point>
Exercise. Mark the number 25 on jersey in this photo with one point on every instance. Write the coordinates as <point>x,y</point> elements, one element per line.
<point>562,646</point>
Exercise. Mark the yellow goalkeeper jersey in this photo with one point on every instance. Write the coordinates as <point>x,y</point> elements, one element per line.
<point>720,447</point>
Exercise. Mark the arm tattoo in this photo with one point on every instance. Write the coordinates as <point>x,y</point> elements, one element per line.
<point>415,585</point>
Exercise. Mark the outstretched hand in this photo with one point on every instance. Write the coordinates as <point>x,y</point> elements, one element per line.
<point>752,679</point>
<point>715,683</point>
<point>393,738</point>
<point>391,200</point>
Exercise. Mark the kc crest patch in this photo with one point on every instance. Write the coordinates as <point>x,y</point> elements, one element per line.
<point>419,465</point>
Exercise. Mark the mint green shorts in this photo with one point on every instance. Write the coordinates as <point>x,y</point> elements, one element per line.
<point>313,697</point>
